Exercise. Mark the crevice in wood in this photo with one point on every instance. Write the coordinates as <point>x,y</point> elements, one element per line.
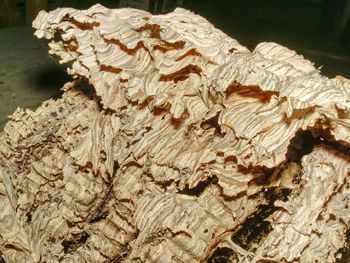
<point>191,52</point>
<point>304,142</point>
<point>129,51</point>
<point>200,187</point>
<point>301,145</point>
<point>80,25</point>
<point>255,228</point>
<point>74,241</point>
<point>212,123</point>
<point>251,91</point>
<point>83,85</point>
<point>154,32</point>
<point>223,255</point>
<point>345,251</point>
<point>110,69</point>
<point>181,74</point>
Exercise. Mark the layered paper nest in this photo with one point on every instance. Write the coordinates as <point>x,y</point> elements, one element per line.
<point>174,143</point>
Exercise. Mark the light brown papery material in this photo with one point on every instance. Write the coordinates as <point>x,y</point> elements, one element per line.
<point>175,144</point>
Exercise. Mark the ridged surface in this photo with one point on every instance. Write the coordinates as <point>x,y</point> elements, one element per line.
<point>315,218</point>
<point>171,140</point>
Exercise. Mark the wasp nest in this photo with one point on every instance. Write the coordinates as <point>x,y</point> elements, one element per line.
<point>174,143</point>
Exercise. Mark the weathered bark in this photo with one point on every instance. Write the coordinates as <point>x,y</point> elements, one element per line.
<point>175,144</point>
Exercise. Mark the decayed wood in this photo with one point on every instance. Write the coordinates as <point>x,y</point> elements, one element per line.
<point>174,143</point>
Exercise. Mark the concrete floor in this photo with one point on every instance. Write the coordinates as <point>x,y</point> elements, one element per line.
<point>28,75</point>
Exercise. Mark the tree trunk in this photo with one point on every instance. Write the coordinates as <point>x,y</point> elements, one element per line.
<point>174,143</point>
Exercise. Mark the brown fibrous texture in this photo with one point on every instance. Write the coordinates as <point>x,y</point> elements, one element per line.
<point>174,143</point>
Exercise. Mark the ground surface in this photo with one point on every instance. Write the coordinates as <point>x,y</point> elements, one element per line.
<point>28,75</point>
